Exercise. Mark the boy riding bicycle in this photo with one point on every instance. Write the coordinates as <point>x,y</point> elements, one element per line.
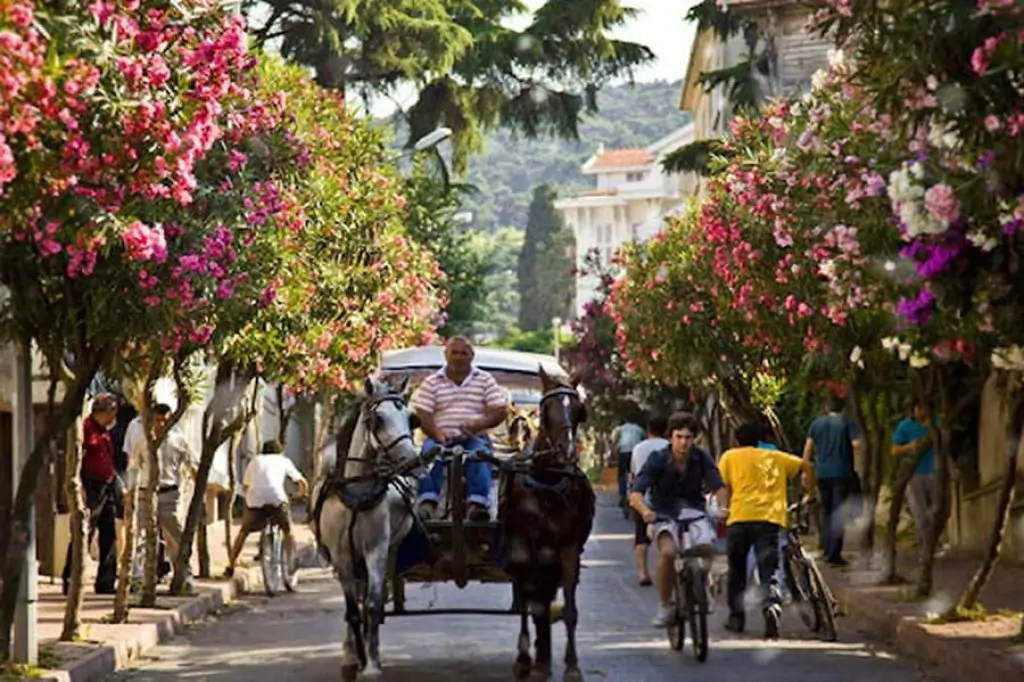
<point>676,477</point>
<point>267,500</point>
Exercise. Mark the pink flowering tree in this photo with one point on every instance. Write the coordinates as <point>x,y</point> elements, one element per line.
<point>110,115</point>
<point>958,195</point>
<point>783,277</point>
<point>348,282</point>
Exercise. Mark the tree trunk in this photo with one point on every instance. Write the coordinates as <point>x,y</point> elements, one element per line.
<point>17,538</point>
<point>926,577</point>
<point>224,415</point>
<point>972,592</point>
<point>904,472</point>
<point>321,438</point>
<point>874,428</point>
<point>127,558</point>
<point>284,415</point>
<point>79,541</point>
<point>232,463</point>
<point>153,442</point>
<point>203,548</point>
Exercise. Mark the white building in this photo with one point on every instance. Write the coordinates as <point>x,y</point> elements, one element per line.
<point>632,197</point>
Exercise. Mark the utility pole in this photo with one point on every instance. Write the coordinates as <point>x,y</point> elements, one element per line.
<point>26,643</point>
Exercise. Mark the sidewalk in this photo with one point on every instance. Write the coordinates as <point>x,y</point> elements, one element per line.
<point>971,651</point>
<point>106,647</point>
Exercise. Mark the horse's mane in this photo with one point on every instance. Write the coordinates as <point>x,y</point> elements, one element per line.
<point>348,428</point>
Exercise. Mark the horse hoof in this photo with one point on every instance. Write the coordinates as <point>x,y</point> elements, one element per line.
<point>572,675</point>
<point>521,669</point>
<point>372,672</point>
<point>349,672</point>
<point>541,674</point>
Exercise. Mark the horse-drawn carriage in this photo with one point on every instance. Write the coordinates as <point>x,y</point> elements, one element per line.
<point>455,549</point>
<point>541,506</point>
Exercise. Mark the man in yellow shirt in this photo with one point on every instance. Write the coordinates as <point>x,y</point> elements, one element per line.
<point>755,495</point>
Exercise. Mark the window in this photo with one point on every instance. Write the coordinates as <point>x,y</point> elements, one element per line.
<point>635,177</point>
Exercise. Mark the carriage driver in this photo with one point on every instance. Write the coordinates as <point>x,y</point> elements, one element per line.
<point>676,477</point>
<point>458,405</point>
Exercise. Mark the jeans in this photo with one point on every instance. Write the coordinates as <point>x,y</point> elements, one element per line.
<point>921,499</point>
<point>478,475</point>
<point>834,493</point>
<point>780,576</point>
<point>764,538</point>
<point>625,460</point>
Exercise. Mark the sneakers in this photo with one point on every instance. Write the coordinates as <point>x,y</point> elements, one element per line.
<point>734,624</point>
<point>664,614</point>
<point>772,621</point>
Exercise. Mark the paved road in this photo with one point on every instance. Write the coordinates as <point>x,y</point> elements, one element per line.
<point>297,637</point>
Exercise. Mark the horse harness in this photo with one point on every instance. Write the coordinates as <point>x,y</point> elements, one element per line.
<point>364,492</point>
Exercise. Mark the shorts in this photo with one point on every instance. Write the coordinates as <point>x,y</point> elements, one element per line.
<point>640,536</point>
<point>701,532</point>
<point>256,518</point>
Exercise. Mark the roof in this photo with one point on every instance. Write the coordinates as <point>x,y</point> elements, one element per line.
<point>490,359</point>
<point>610,159</point>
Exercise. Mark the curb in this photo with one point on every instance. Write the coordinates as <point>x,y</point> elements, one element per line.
<point>958,659</point>
<point>113,656</point>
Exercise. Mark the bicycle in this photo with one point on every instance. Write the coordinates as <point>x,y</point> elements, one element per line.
<point>276,570</point>
<point>690,591</point>
<point>806,584</point>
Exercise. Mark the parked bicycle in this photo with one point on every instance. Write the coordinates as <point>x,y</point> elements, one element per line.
<point>690,591</point>
<point>810,593</point>
<point>276,567</point>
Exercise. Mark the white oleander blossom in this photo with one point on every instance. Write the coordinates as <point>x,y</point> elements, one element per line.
<point>982,241</point>
<point>907,194</point>
<point>1009,359</point>
<point>857,356</point>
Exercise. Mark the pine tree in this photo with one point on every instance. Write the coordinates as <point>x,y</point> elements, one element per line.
<point>545,272</point>
<point>473,73</point>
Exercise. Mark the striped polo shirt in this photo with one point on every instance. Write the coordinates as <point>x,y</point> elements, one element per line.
<point>453,404</point>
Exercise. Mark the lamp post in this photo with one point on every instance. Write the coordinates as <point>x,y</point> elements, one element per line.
<point>428,141</point>
<point>556,328</point>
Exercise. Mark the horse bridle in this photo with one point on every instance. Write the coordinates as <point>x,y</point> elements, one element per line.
<point>376,446</point>
<point>562,392</point>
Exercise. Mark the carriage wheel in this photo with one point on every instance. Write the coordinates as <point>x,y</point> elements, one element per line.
<point>457,490</point>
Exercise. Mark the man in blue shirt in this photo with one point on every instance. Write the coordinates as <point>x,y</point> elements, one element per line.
<point>831,444</point>
<point>676,477</point>
<point>913,439</point>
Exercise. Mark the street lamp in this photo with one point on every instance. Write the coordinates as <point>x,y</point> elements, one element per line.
<point>428,141</point>
<point>556,325</point>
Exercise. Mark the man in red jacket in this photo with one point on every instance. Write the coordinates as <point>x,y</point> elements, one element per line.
<point>98,486</point>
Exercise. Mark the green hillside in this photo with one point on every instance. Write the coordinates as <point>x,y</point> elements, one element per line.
<point>509,167</point>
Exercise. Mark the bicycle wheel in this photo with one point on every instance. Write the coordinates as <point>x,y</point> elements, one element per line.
<point>289,570</point>
<point>697,612</point>
<point>800,590</point>
<point>270,560</point>
<point>677,624</point>
<point>824,605</point>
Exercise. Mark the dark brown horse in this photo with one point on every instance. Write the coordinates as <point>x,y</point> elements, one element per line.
<point>546,514</point>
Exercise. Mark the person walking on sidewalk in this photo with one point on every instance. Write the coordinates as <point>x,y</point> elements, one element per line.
<point>755,495</point>
<point>98,476</point>
<point>641,452</point>
<point>175,457</point>
<point>832,444</point>
<point>914,436</point>
<point>267,500</point>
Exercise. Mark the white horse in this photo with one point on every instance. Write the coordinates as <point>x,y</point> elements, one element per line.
<point>364,515</point>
